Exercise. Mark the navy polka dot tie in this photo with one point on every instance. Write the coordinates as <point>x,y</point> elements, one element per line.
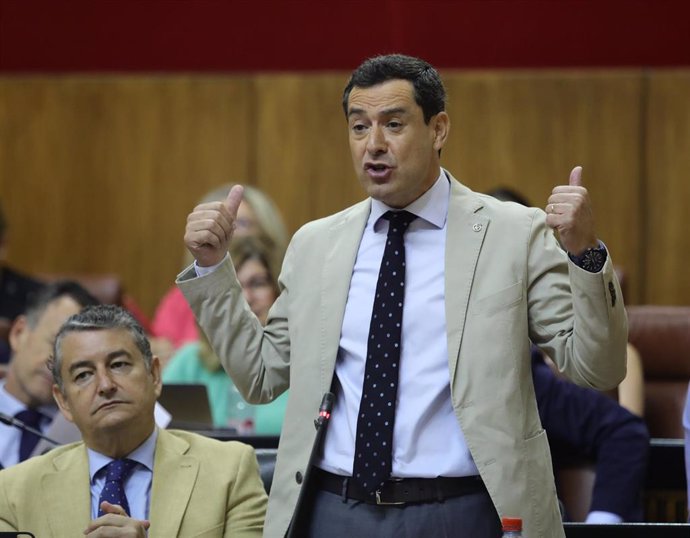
<point>28,441</point>
<point>373,447</point>
<point>116,472</point>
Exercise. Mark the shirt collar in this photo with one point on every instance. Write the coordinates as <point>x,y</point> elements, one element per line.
<point>432,206</point>
<point>143,455</point>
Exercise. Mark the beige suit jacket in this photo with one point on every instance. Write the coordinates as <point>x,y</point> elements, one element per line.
<point>201,488</point>
<point>507,282</point>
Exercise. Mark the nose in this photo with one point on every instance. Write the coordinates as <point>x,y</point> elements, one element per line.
<point>376,141</point>
<point>106,386</point>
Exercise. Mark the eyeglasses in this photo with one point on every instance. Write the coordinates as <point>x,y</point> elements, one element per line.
<point>257,283</point>
<point>244,224</point>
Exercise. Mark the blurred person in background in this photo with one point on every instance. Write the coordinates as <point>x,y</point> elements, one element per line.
<point>586,425</point>
<point>26,392</point>
<point>197,363</point>
<point>257,216</point>
<point>15,291</point>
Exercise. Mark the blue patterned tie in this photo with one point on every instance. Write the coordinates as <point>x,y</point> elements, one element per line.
<point>28,441</point>
<point>116,472</point>
<point>373,446</point>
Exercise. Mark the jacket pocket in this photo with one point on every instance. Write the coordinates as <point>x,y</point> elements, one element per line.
<point>501,300</point>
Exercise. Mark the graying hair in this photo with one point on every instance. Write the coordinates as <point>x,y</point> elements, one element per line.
<point>99,318</point>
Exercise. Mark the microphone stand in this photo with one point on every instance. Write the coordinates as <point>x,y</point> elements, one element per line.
<point>15,422</point>
<point>320,424</point>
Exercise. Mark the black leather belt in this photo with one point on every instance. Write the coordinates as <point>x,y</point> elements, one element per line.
<point>397,491</point>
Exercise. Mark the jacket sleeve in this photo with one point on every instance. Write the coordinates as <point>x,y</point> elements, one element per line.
<point>577,318</point>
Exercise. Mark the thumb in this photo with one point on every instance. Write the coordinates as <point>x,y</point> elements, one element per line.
<point>110,508</point>
<point>232,202</point>
<point>576,177</point>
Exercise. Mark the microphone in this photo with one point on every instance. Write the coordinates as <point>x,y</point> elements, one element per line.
<point>324,411</point>
<point>15,422</point>
<point>320,423</point>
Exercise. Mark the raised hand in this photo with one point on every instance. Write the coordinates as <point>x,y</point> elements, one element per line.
<point>569,212</point>
<point>210,227</point>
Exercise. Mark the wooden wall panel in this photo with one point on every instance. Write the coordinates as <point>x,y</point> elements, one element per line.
<point>527,131</point>
<point>667,190</point>
<point>302,154</point>
<point>98,174</point>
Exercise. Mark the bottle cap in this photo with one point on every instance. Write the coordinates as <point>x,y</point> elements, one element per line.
<point>511,523</point>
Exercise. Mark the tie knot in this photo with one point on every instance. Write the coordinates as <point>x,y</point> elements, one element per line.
<point>30,417</point>
<point>399,221</point>
<point>118,470</point>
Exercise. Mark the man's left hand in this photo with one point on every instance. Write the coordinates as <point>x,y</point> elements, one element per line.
<point>569,212</point>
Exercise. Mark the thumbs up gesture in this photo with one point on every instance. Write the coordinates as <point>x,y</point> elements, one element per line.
<point>210,227</point>
<point>569,212</point>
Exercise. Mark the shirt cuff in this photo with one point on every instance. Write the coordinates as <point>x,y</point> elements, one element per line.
<point>203,271</point>
<point>603,517</point>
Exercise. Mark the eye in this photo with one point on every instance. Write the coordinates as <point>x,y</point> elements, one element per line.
<point>119,364</point>
<point>82,375</point>
<point>359,128</point>
<point>394,124</point>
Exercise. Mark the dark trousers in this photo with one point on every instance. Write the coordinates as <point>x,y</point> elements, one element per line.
<point>328,515</point>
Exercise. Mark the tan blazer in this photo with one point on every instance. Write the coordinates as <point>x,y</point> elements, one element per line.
<point>201,488</point>
<point>507,282</point>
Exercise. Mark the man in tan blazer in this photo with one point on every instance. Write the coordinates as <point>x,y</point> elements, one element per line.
<point>483,279</point>
<point>179,484</point>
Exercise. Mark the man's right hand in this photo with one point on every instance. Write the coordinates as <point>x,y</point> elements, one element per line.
<point>115,523</point>
<point>210,226</point>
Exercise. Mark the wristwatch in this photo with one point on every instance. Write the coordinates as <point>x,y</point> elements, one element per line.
<point>592,259</point>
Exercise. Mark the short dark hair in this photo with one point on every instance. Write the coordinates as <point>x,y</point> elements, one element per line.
<point>429,92</point>
<point>99,318</point>
<point>52,292</point>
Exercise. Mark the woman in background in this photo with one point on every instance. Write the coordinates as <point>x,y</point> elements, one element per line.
<point>197,363</point>
<point>257,216</point>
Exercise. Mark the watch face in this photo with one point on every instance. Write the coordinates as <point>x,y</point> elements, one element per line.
<point>593,260</point>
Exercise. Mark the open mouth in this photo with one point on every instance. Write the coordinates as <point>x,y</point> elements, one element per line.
<point>377,170</point>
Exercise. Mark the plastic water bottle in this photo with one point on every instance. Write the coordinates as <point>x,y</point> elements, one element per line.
<point>240,413</point>
<point>512,527</point>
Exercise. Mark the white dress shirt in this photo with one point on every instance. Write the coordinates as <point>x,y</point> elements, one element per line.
<point>10,436</point>
<point>427,439</point>
<point>137,484</point>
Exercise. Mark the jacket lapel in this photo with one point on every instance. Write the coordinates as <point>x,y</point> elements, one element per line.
<point>66,493</point>
<point>168,504</point>
<point>464,239</point>
<point>345,236</point>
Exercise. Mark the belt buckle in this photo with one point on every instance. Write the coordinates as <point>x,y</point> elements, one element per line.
<point>380,502</point>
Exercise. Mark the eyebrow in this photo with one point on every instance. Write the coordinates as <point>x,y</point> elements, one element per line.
<point>384,112</point>
<point>110,356</point>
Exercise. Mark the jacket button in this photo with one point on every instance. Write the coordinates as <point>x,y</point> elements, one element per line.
<point>298,477</point>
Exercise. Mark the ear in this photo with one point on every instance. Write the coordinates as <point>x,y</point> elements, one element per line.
<point>62,403</point>
<point>156,375</point>
<point>18,332</point>
<point>441,126</point>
